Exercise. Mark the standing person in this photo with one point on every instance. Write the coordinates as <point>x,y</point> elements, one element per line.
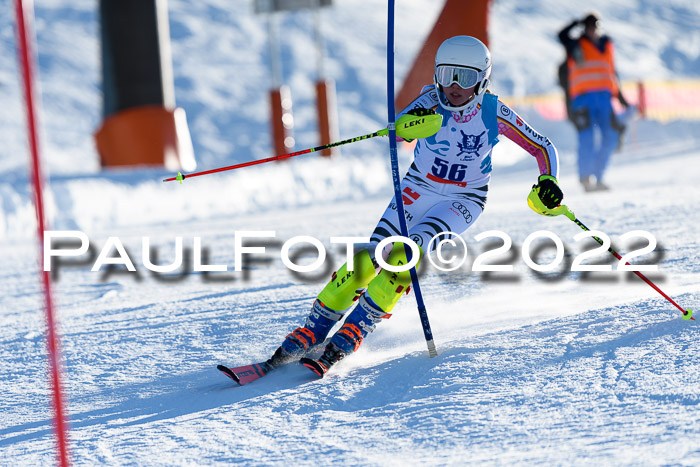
<point>444,191</point>
<point>592,83</point>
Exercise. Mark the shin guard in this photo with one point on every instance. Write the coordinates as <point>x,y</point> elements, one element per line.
<point>345,286</point>
<point>373,306</point>
<point>386,289</point>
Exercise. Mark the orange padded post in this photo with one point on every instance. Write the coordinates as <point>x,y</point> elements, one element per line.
<point>325,106</point>
<point>146,135</point>
<point>458,18</point>
<point>641,99</point>
<point>282,120</point>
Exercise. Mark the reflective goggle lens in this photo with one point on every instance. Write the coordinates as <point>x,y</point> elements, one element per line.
<point>464,77</point>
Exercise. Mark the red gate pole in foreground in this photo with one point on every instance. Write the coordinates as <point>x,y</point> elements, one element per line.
<point>24,11</point>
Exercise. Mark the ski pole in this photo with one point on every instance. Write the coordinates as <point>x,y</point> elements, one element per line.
<point>408,127</point>
<point>687,314</point>
<point>534,202</point>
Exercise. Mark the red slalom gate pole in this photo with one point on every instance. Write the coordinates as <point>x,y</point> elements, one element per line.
<point>24,11</point>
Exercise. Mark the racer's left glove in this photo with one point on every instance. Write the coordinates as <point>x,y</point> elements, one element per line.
<point>418,112</point>
<point>548,191</point>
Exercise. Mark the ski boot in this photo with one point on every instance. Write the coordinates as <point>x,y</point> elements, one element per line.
<point>305,339</point>
<point>349,337</point>
<point>331,355</point>
<point>340,293</point>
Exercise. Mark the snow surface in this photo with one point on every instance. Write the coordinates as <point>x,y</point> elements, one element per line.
<point>559,369</point>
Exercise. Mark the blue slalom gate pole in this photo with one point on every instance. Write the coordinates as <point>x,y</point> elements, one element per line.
<point>422,312</point>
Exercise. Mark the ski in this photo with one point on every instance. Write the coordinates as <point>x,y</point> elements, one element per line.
<point>247,373</point>
<point>314,365</point>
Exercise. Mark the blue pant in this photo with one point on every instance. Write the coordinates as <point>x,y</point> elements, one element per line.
<point>597,138</point>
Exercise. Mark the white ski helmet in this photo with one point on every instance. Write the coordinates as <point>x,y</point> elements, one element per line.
<point>464,60</point>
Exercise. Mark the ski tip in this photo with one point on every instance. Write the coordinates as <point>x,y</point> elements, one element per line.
<point>314,366</point>
<point>227,371</point>
<point>246,373</point>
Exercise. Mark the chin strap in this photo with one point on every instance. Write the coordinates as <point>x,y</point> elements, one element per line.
<point>482,87</point>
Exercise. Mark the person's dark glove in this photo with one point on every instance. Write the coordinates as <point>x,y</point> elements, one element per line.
<point>548,191</point>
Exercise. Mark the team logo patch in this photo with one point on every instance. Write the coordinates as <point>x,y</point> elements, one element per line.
<point>470,146</point>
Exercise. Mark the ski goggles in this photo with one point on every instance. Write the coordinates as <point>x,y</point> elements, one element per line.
<point>465,77</point>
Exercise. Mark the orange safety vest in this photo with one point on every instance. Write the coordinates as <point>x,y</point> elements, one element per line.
<point>593,71</point>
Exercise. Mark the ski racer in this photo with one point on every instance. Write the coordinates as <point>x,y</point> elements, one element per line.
<point>444,191</point>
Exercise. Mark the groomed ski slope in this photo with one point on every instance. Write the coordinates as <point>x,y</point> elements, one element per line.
<point>567,371</point>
